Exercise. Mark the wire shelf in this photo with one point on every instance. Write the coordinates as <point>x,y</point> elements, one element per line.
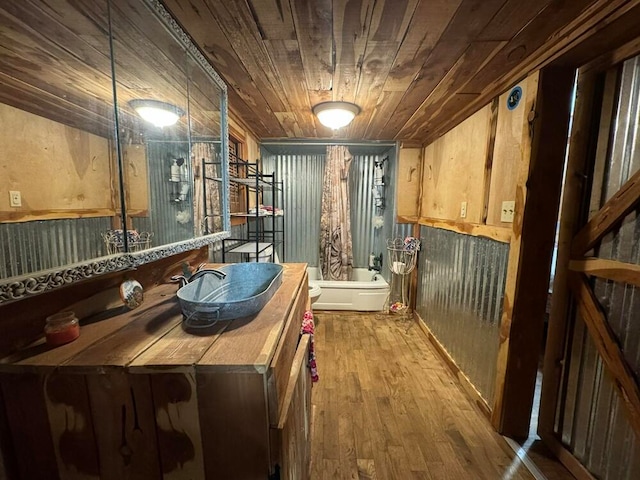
<point>403,254</point>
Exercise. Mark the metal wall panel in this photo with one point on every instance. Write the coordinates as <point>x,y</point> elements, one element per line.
<point>163,211</point>
<point>33,246</point>
<point>592,421</point>
<point>461,280</point>
<point>302,191</point>
<point>302,175</point>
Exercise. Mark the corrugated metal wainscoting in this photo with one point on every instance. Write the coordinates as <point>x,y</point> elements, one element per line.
<point>461,281</point>
<point>592,421</point>
<point>33,246</point>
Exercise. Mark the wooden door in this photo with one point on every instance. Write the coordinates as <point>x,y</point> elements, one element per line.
<point>590,408</point>
<point>294,426</point>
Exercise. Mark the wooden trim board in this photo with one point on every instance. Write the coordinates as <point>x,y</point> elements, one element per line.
<point>609,269</point>
<point>617,207</point>
<point>499,234</point>
<point>585,114</point>
<point>537,198</point>
<point>566,457</point>
<point>605,341</point>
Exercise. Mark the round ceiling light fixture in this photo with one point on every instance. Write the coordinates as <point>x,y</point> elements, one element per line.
<point>160,114</point>
<point>336,115</point>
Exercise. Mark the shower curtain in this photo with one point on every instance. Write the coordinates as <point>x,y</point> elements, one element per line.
<point>211,205</point>
<point>336,252</point>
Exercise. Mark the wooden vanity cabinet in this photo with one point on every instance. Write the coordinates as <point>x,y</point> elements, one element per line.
<point>138,397</point>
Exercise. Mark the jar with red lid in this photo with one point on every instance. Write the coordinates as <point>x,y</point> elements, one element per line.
<point>61,328</point>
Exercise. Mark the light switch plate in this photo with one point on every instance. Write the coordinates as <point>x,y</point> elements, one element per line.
<point>463,210</point>
<point>15,198</point>
<point>508,211</point>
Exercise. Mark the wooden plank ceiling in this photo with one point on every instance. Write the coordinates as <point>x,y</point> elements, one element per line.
<point>415,67</point>
<point>55,62</point>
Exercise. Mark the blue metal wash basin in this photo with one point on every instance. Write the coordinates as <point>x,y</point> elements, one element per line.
<point>243,291</point>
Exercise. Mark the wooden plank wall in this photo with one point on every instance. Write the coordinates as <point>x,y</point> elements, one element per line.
<point>511,125</point>
<point>36,151</point>
<point>486,160</point>
<point>451,169</point>
<point>477,162</point>
<point>409,183</point>
<point>136,180</point>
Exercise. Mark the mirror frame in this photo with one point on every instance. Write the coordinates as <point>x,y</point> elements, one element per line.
<point>24,286</point>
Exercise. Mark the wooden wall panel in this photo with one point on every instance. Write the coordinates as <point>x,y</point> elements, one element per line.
<point>136,180</point>
<point>29,425</point>
<point>234,425</point>
<point>61,172</point>
<point>251,147</point>
<point>71,426</point>
<point>453,170</point>
<point>508,151</point>
<point>408,182</point>
<point>123,416</point>
<point>178,425</point>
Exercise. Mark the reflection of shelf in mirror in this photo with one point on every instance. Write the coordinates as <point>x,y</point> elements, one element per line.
<point>250,247</point>
<point>251,182</point>
<point>277,214</point>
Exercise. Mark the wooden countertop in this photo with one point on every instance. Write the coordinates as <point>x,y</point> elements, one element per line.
<point>151,338</point>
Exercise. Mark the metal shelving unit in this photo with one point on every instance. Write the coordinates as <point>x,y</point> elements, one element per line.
<point>265,228</point>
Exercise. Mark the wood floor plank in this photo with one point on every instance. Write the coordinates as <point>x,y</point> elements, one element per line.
<point>387,407</point>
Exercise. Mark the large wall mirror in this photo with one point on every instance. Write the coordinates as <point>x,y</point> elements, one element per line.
<point>113,133</point>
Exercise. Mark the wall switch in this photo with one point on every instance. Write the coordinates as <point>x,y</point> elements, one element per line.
<point>463,210</point>
<point>507,212</point>
<point>15,198</point>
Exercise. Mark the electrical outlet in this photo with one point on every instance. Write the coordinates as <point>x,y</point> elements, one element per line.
<point>15,198</point>
<point>508,211</point>
<point>463,210</point>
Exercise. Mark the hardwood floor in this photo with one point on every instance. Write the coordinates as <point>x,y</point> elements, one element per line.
<point>386,407</point>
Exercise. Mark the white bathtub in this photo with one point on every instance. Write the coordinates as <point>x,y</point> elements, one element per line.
<point>362,293</point>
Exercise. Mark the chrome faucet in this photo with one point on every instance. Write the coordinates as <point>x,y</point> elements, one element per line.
<point>375,262</point>
<point>200,271</point>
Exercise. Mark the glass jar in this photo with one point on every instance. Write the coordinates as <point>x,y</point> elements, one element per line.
<point>61,328</point>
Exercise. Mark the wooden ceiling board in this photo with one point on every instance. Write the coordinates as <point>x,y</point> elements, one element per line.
<point>474,59</point>
<point>236,21</point>
<point>245,97</point>
<point>390,22</point>
<point>470,19</point>
<point>621,32</point>
<point>527,40</point>
<point>351,23</point>
<point>429,21</point>
<point>287,54</point>
<point>416,68</point>
<point>79,16</point>
<point>512,17</point>
<point>273,19</point>
<point>34,63</point>
<point>26,97</point>
<point>567,37</point>
<point>313,24</point>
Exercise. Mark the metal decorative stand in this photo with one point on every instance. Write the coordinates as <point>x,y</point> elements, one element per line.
<point>402,257</point>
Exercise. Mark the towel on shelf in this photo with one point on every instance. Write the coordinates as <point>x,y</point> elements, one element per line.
<point>308,327</point>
